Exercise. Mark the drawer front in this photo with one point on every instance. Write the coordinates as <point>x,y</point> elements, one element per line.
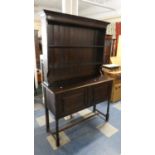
<point>71,102</point>
<point>101,92</point>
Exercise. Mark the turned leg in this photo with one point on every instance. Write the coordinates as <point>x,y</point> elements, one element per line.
<point>57,133</point>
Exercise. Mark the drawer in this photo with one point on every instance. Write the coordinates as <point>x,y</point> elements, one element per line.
<point>101,92</point>
<point>72,101</point>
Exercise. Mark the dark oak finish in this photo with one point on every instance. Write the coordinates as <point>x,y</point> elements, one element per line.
<point>72,63</point>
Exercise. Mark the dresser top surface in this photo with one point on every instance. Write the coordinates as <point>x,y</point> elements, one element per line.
<point>89,82</point>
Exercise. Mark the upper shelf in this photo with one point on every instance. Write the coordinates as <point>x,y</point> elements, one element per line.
<point>71,65</point>
<point>74,46</point>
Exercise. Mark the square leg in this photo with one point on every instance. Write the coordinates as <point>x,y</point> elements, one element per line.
<point>94,108</point>
<point>107,114</point>
<point>57,133</point>
<point>46,111</point>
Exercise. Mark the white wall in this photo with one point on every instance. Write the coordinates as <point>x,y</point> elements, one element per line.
<point>112,19</point>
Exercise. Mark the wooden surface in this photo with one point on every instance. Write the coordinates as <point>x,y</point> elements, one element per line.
<point>72,46</point>
<point>116,87</point>
<point>73,52</point>
<point>72,98</point>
